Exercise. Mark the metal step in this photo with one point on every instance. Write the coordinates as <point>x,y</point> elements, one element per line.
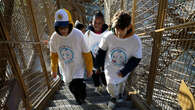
<point>91,101</point>
<point>90,93</point>
<point>124,108</point>
<point>96,99</point>
<point>125,104</point>
<point>102,106</point>
<point>89,86</point>
<point>64,100</point>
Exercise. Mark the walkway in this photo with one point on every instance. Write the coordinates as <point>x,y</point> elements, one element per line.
<point>64,100</point>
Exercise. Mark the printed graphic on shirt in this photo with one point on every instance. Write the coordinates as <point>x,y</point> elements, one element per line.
<point>95,49</point>
<point>118,57</point>
<point>66,54</point>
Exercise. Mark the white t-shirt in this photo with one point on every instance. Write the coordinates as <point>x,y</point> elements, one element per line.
<point>92,40</point>
<point>118,53</point>
<point>69,50</point>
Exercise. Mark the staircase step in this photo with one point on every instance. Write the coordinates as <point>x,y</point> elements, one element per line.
<point>90,93</point>
<point>96,99</point>
<point>64,100</point>
<point>55,103</point>
<point>80,107</point>
<point>86,107</point>
<point>88,86</point>
<point>125,104</point>
<point>90,100</point>
<point>124,108</point>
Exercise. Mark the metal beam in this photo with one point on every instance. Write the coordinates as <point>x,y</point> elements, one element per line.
<point>122,5</point>
<point>15,66</point>
<point>38,46</point>
<point>156,50</point>
<point>49,22</point>
<point>133,12</point>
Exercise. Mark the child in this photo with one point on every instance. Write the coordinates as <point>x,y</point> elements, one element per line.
<point>68,49</point>
<point>80,26</point>
<point>122,51</point>
<point>92,38</point>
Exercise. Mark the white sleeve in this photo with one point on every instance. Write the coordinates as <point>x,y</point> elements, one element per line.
<point>138,53</point>
<point>85,49</point>
<point>52,45</point>
<point>86,38</point>
<point>103,44</point>
<point>87,33</point>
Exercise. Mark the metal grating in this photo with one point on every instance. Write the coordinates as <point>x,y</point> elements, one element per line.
<point>176,59</point>
<point>17,21</point>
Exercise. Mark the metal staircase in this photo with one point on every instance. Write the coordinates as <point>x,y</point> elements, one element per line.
<point>64,100</point>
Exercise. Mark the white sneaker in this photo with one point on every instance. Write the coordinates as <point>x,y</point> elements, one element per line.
<point>120,98</point>
<point>98,89</point>
<point>112,103</point>
<point>103,88</point>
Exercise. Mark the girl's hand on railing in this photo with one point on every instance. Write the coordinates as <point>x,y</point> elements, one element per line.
<point>89,74</point>
<point>54,74</point>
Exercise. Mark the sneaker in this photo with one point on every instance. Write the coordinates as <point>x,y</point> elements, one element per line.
<point>103,88</point>
<point>112,103</point>
<point>120,98</point>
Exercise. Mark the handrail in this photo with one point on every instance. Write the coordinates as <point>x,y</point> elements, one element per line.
<point>35,84</point>
<point>39,91</point>
<point>185,25</point>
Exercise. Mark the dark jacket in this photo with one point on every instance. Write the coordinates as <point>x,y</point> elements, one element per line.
<point>91,28</point>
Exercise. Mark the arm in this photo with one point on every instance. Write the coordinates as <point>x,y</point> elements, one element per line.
<point>100,58</point>
<point>101,54</point>
<point>54,63</point>
<point>133,61</point>
<point>88,63</point>
<point>129,66</point>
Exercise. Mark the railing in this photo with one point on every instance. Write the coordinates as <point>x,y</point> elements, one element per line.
<point>166,28</point>
<point>167,32</point>
<point>25,24</point>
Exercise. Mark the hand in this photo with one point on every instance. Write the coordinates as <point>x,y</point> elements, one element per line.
<point>46,42</point>
<point>54,74</point>
<point>120,74</point>
<point>89,74</point>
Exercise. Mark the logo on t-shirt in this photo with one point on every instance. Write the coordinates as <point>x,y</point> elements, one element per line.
<point>94,49</point>
<point>118,56</point>
<point>66,54</point>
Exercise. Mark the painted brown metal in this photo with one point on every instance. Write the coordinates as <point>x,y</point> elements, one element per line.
<point>49,95</point>
<point>122,5</point>
<point>15,67</point>
<point>49,22</point>
<point>36,37</point>
<point>157,37</point>
<point>133,12</point>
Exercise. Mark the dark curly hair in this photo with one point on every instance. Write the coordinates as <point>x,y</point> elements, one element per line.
<point>121,20</point>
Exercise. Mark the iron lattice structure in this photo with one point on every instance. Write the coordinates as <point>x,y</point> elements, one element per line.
<point>175,52</point>
<point>24,57</point>
<point>168,53</point>
<point>166,28</point>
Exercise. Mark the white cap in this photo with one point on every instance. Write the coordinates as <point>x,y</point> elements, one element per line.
<point>61,15</point>
<point>62,18</point>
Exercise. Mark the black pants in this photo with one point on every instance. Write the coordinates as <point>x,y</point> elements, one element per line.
<point>99,77</point>
<point>78,89</point>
